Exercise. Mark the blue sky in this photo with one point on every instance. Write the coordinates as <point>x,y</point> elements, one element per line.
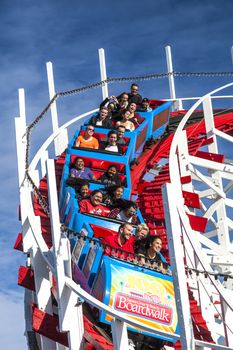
<point>69,33</point>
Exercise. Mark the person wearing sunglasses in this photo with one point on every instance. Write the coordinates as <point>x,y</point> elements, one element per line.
<point>134,96</point>
<point>127,212</point>
<point>88,140</point>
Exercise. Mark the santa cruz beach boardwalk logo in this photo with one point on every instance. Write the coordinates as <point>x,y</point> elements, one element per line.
<point>143,308</point>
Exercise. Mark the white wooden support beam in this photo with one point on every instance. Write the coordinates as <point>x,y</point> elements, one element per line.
<point>222,260</point>
<point>178,104</point>
<point>223,232</point>
<point>70,314</point>
<point>61,141</point>
<point>209,124</point>
<point>52,93</point>
<point>205,345</point>
<point>223,135</point>
<point>43,159</point>
<point>103,73</point>
<point>176,250</point>
<point>24,187</point>
<point>183,155</point>
<point>206,305</point>
<point>226,169</point>
<point>119,334</point>
<point>43,291</point>
<point>20,131</point>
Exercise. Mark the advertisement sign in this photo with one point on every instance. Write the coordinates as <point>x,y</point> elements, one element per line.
<point>148,298</point>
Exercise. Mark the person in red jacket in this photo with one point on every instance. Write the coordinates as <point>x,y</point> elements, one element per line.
<point>93,204</point>
<point>121,241</point>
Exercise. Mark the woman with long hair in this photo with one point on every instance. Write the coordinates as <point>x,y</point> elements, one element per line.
<point>113,195</point>
<point>150,254</point>
<point>126,115</point>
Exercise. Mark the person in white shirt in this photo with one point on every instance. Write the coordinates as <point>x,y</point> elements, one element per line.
<point>111,144</point>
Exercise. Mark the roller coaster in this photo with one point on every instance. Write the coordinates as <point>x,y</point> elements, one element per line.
<point>173,165</point>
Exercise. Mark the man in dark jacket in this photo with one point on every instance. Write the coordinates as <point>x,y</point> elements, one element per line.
<point>101,119</point>
<point>134,96</point>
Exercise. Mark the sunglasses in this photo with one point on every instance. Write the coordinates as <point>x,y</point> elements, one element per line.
<point>90,129</point>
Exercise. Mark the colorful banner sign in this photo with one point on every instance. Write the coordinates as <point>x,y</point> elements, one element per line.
<point>144,297</point>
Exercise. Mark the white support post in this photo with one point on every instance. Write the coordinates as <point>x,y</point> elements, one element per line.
<point>200,293</point>
<point>28,240</point>
<point>61,141</point>
<point>209,124</point>
<point>20,130</point>
<point>174,232</point>
<point>24,188</point>
<point>183,160</point>
<point>103,73</point>
<point>43,160</point>
<point>119,335</point>
<point>223,232</point>
<point>183,154</point>
<point>222,228</point>
<point>70,313</point>
<point>177,105</point>
<point>52,93</point>
<point>43,291</point>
